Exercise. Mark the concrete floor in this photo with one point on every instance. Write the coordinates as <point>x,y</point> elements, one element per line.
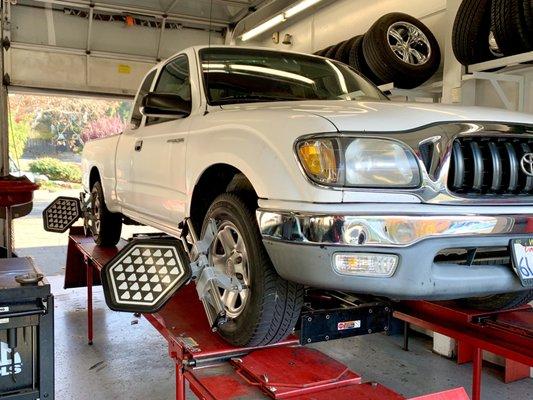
<point>129,359</point>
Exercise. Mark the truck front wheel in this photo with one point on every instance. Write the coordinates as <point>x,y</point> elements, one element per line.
<point>106,226</point>
<point>267,309</point>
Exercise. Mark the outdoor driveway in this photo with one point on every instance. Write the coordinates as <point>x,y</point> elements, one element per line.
<point>49,250</point>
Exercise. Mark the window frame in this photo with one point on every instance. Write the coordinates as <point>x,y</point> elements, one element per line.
<point>156,82</point>
<point>153,71</point>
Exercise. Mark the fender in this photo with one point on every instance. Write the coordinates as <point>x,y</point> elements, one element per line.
<point>266,151</point>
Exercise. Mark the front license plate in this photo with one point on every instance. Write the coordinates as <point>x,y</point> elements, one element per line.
<point>522,256</point>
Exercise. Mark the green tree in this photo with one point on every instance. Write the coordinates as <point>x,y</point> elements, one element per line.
<point>64,118</point>
<point>19,131</point>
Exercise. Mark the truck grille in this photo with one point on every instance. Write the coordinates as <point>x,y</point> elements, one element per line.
<point>490,166</point>
<point>475,256</point>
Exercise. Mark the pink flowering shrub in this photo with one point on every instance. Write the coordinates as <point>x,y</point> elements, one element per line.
<point>102,127</point>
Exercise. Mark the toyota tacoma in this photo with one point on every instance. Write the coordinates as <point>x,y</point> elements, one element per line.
<point>316,179</point>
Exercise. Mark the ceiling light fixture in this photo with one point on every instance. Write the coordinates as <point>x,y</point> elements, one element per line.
<point>303,5</point>
<point>265,26</point>
<point>278,19</point>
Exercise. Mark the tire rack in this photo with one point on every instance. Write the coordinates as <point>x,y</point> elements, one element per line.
<point>216,370</point>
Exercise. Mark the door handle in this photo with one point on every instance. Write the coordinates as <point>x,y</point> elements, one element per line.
<point>138,145</point>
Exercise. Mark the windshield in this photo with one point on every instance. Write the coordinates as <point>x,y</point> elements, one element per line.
<point>240,75</point>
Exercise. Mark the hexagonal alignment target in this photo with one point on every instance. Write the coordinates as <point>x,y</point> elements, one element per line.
<point>61,214</point>
<point>145,274</point>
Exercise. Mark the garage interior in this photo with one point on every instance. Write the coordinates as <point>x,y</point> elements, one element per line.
<point>64,57</point>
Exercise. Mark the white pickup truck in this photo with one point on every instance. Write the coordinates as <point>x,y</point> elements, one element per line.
<point>316,179</point>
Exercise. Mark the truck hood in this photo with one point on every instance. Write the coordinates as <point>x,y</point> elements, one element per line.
<point>387,115</point>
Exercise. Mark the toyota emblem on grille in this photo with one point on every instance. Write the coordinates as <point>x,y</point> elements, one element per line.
<point>527,164</point>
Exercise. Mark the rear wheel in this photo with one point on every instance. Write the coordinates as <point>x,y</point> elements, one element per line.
<point>267,309</point>
<point>496,302</point>
<point>106,226</point>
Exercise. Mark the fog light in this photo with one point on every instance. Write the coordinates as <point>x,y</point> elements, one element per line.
<point>365,264</point>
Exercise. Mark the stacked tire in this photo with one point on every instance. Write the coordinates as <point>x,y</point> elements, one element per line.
<point>487,29</point>
<point>397,48</point>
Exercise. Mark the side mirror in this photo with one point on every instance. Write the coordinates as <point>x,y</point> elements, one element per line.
<point>165,105</point>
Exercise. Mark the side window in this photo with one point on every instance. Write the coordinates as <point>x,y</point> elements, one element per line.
<point>174,78</point>
<point>136,115</point>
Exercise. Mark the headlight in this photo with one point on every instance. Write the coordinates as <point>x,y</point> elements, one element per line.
<point>378,162</point>
<point>359,162</point>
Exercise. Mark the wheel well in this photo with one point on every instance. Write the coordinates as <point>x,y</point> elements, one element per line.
<point>215,180</point>
<point>93,177</point>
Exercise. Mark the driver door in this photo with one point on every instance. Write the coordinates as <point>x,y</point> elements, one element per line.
<point>126,142</point>
<point>158,153</point>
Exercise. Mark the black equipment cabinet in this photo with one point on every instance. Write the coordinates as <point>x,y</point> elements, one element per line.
<point>26,333</point>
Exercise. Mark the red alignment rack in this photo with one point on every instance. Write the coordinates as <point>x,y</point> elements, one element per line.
<point>505,333</point>
<point>216,370</point>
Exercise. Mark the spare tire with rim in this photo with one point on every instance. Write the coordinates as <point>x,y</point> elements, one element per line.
<point>471,32</point>
<point>510,23</point>
<point>357,60</point>
<point>399,48</point>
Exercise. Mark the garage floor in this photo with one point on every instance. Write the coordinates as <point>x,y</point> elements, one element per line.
<point>129,359</point>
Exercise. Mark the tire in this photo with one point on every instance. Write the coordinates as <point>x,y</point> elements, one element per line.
<point>272,304</point>
<point>323,52</point>
<point>496,302</point>
<point>528,17</point>
<point>423,55</point>
<point>471,30</point>
<point>343,52</point>
<point>107,226</point>
<point>509,24</point>
<point>357,60</point>
<point>333,50</point>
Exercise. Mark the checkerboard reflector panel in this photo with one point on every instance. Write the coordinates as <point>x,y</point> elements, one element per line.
<point>144,275</point>
<point>61,214</point>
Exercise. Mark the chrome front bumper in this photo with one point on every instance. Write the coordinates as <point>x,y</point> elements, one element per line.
<point>383,230</point>
<point>303,246</point>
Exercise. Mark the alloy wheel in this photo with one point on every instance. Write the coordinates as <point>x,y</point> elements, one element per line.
<point>228,254</point>
<point>409,43</point>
